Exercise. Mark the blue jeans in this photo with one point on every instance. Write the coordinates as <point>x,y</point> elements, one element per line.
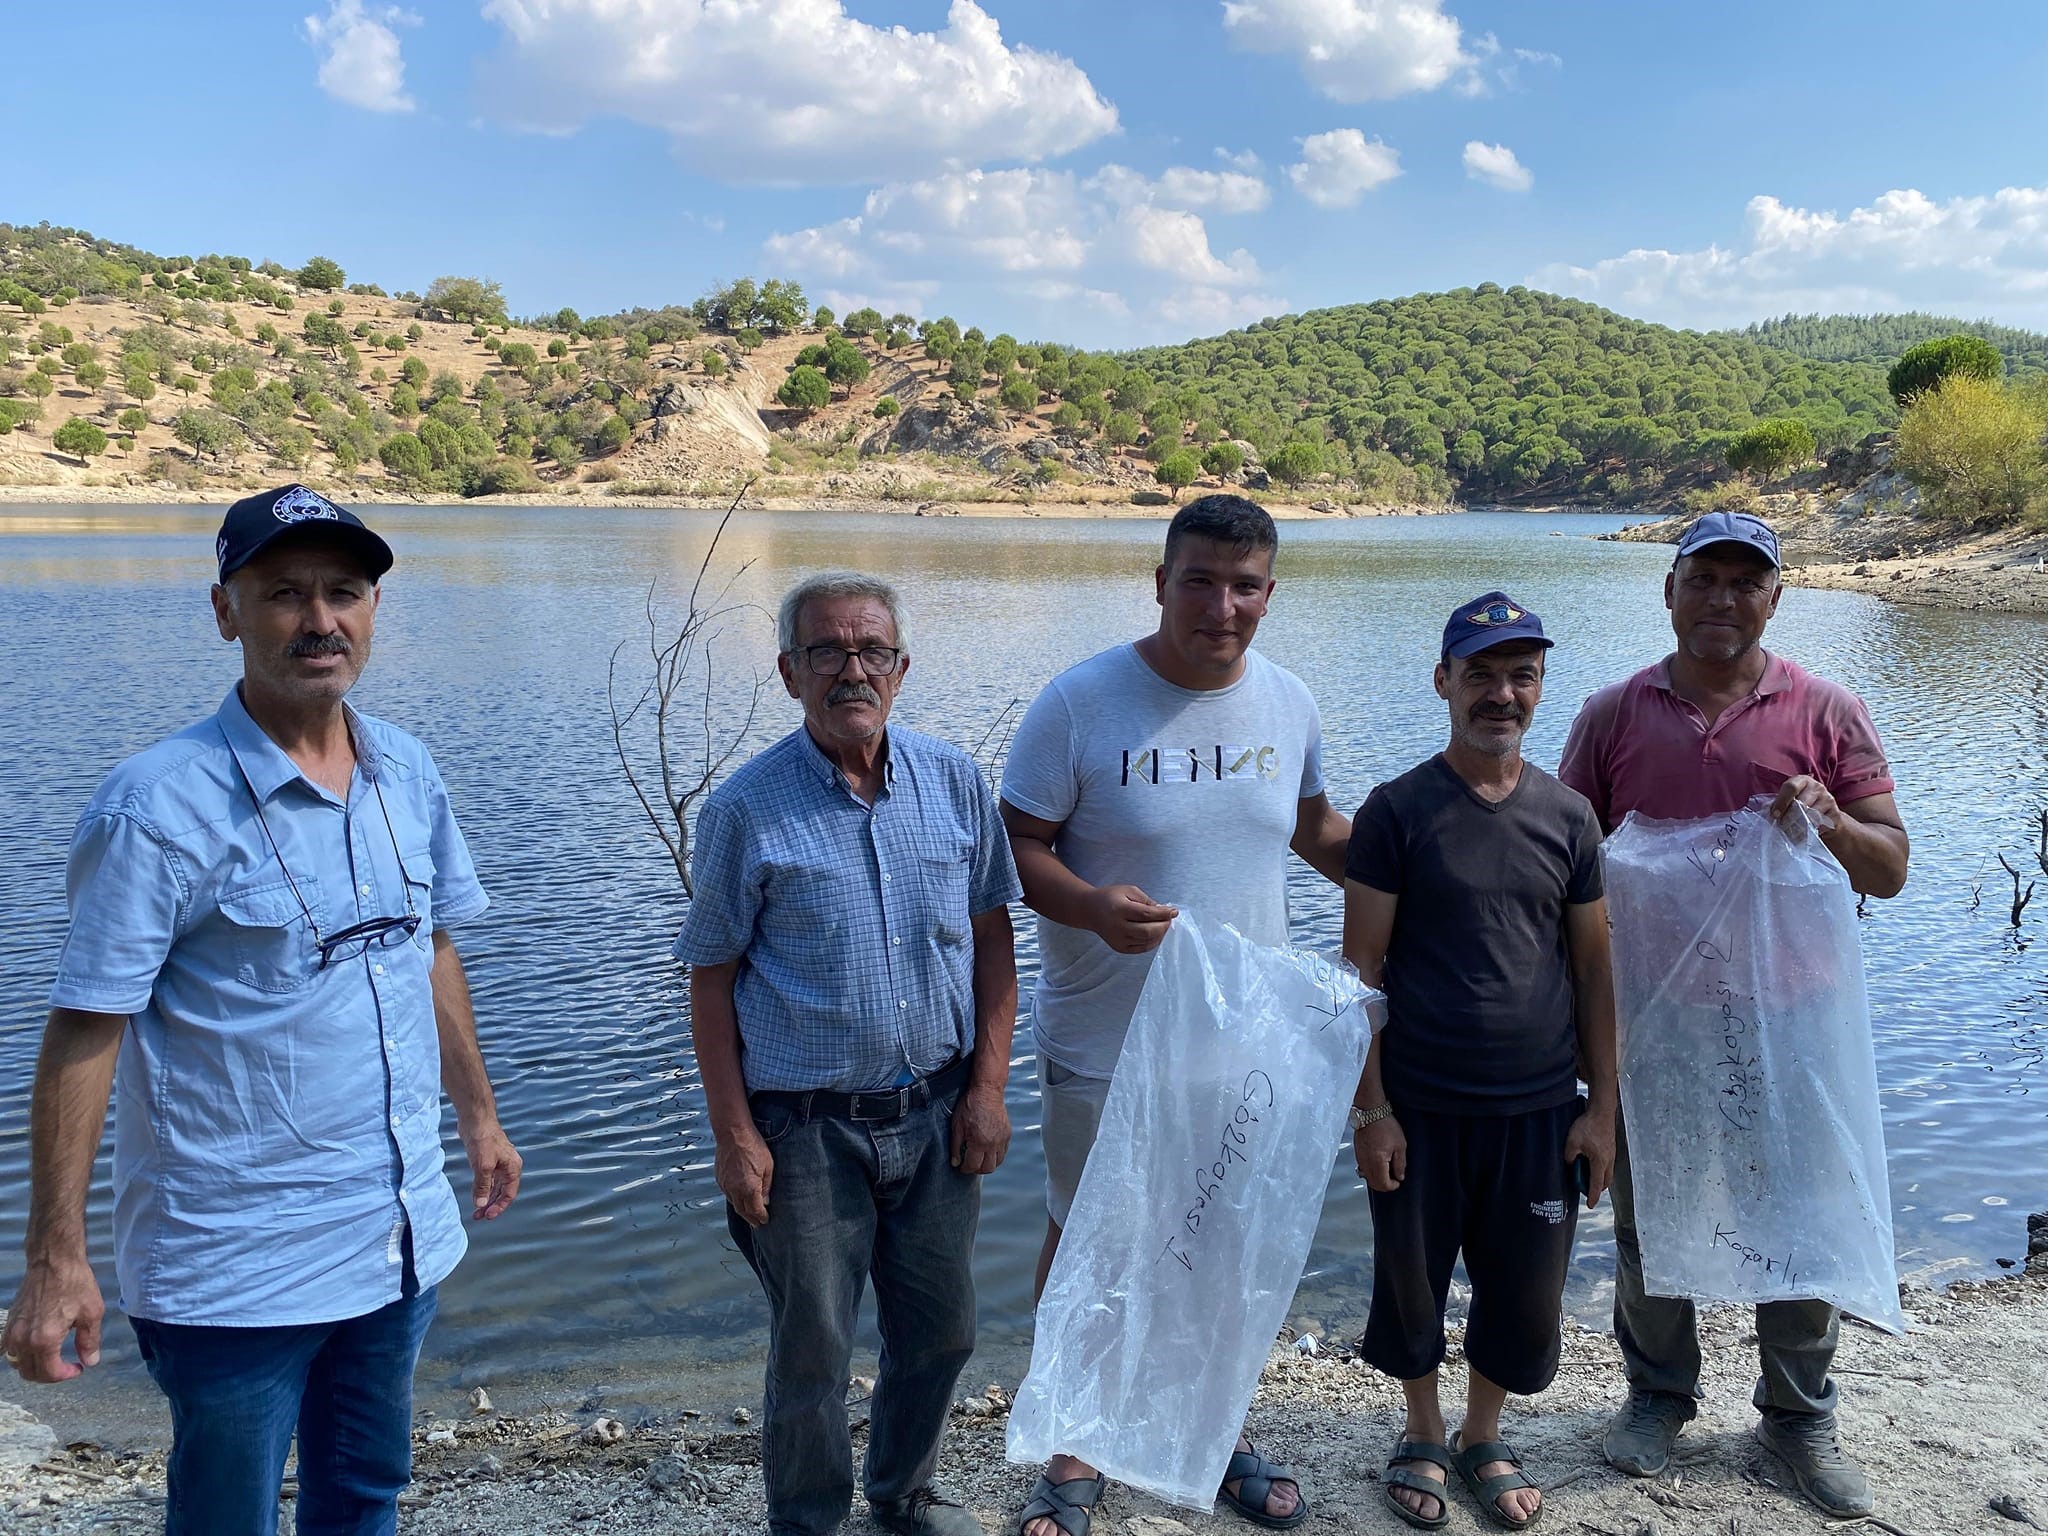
<point>852,1200</point>
<point>237,1394</point>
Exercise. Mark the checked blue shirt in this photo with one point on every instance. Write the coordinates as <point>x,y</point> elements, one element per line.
<point>851,921</point>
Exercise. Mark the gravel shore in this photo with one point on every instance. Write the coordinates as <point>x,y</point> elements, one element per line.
<point>1950,1420</point>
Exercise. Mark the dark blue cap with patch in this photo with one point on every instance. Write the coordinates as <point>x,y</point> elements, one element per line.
<point>1744,528</point>
<point>255,522</point>
<point>1488,621</point>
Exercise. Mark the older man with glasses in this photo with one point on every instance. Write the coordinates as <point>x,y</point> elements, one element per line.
<point>853,989</point>
<point>259,962</point>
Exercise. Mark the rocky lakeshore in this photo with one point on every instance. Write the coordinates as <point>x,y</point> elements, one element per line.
<point>1949,1419</point>
<point>1866,543</point>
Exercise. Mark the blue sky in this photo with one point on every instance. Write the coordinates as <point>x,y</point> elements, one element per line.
<point>1093,172</point>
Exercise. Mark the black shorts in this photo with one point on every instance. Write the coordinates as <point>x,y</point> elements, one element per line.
<point>1497,1187</point>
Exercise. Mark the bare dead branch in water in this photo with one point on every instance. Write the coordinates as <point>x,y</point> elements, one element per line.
<point>2041,847</point>
<point>2019,898</point>
<point>675,663</point>
<point>990,760</point>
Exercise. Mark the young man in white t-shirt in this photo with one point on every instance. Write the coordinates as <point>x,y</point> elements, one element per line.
<point>1176,771</point>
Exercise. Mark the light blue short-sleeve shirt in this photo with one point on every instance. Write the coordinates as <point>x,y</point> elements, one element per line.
<point>277,1126</point>
<point>853,922</point>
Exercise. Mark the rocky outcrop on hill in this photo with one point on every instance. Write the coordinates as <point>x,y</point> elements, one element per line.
<point>703,428</point>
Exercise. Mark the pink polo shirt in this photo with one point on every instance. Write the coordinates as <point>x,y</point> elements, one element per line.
<point>1637,746</point>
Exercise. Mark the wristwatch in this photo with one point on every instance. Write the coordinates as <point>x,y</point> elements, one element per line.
<point>1361,1118</point>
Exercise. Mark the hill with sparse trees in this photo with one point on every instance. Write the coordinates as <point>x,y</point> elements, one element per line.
<point>144,374</point>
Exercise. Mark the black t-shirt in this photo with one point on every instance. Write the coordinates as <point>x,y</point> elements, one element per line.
<point>1478,976</point>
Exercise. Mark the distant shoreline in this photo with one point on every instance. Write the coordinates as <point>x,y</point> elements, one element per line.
<point>120,496</point>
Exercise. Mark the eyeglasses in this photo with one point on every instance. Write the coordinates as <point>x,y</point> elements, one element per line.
<point>358,939</point>
<point>830,660</point>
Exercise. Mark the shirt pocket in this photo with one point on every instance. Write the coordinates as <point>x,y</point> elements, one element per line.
<point>942,889</point>
<point>419,892</point>
<point>270,936</point>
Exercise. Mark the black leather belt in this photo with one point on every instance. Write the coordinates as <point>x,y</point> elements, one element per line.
<point>876,1104</point>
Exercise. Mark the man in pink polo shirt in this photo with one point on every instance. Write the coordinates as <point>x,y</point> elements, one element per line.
<point>1716,723</point>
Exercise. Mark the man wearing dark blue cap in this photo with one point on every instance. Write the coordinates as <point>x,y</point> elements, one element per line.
<point>259,959</point>
<point>1700,733</point>
<point>1473,898</point>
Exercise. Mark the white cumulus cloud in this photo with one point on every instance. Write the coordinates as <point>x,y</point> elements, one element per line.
<point>1224,191</point>
<point>1974,256</point>
<point>1355,50</point>
<point>1123,244</point>
<point>1337,168</point>
<point>360,60</point>
<point>1496,165</point>
<point>1184,186</point>
<point>791,91</point>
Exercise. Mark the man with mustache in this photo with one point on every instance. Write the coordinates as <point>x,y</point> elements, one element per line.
<point>1180,769</point>
<point>1473,898</point>
<point>259,965</point>
<point>1698,734</point>
<point>853,987</point>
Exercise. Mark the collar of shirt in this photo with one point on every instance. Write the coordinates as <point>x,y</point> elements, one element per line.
<point>267,766</point>
<point>832,773</point>
<point>1776,679</point>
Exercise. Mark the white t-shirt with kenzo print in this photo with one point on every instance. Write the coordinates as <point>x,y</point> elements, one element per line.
<point>1190,795</point>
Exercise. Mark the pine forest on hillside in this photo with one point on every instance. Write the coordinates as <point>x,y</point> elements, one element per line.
<point>1880,339</point>
<point>1511,390</point>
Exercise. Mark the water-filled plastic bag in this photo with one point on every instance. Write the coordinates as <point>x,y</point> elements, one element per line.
<point>1194,1215</point>
<point>1748,1082</point>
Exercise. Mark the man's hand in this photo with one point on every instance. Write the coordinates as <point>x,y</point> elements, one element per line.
<point>981,1130</point>
<point>1381,1152</point>
<point>745,1168</point>
<point>1129,921</point>
<point>494,1170</point>
<point>56,1298</point>
<point>1802,789</point>
<point>1592,1137</point>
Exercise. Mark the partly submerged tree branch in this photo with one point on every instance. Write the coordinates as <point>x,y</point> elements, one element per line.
<point>680,674</point>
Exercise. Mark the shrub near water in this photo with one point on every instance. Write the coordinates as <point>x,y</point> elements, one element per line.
<point>1975,449</point>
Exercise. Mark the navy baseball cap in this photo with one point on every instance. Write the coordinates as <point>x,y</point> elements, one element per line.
<point>1489,621</point>
<point>1744,528</point>
<point>255,522</point>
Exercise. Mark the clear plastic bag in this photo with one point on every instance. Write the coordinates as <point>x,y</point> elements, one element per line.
<point>1748,1081</point>
<point>1194,1216</point>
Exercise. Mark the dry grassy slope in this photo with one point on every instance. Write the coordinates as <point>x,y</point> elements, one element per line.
<point>27,457</point>
<point>710,430</point>
<point>840,447</point>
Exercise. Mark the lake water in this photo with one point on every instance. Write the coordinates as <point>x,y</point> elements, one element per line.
<point>612,1278</point>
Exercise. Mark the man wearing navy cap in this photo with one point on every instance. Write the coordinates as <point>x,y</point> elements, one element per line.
<point>1473,898</point>
<point>259,965</point>
<point>1700,733</point>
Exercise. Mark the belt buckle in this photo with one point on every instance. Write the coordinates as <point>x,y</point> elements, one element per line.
<point>897,1111</point>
